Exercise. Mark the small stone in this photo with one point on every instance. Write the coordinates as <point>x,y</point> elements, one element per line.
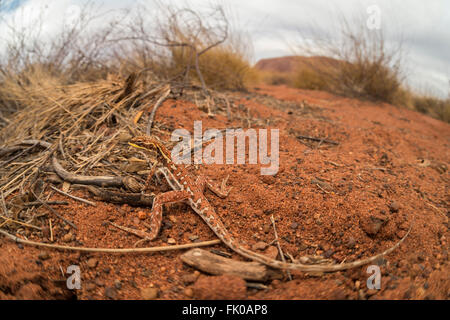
<point>46,232</point>
<point>173,219</point>
<point>110,293</point>
<point>147,272</point>
<point>338,294</point>
<point>268,179</point>
<point>117,284</point>
<point>372,225</point>
<point>328,253</point>
<point>357,284</point>
<point>142,215</point>
<point>260,246</point>
<point>271,252</point>
<point>266,228</point>
<point>92,263</point>
<point>188,292</point>
<point>338,282</point>
<point>99,282</point>
<point>394,206</point>
<point>68,237</point>
<point>193,237</point>
<point>294,225</point>
<point>361,295</point>
<point>171,241</point>
<point>43,255</point>
<point>420,293</point>
<point>371,292</point>
<point>189,278</point>
<point>351,242</point>
<point>89,286</point>
<point>149,293</point>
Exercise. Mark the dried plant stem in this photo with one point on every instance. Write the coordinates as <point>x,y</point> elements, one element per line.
<point>278,245</point>
<point>157,104</point>
<point>112,250</point>
<point>73,197</point>
<point>53,211</point>
<point>18,222</point>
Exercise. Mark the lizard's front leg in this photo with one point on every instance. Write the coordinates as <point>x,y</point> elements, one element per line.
<point>156,214</point>
<point>150,176</point>
<point>221,192</point>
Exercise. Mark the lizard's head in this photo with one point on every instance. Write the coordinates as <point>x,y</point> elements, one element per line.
<point>151,144</point>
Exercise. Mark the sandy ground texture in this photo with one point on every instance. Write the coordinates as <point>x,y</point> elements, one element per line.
<point>344,202</point>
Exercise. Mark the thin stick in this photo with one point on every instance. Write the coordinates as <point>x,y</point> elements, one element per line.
<point>321,188</point>
<point>157,104</point>
<point>51,229</point>
<point>34,203</point>
<point>5,210</point>
<point>112,250</point>
<point>436,208</point>
<point>278,245</point>
<point>54,212</point>
<point>74,197</point>
<point>19,222</point>
<point>17,155</point>
<point>318,139</point>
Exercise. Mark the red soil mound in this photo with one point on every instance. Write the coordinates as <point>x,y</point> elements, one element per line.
<point>345,202</point>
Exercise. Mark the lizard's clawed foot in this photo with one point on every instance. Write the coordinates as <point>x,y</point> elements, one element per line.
<point>220,192</point>
<point>148,183</point>
<point>223,189</point>
<point>141,234</point>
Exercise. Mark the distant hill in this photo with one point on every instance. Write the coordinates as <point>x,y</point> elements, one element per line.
<point>290,64</point>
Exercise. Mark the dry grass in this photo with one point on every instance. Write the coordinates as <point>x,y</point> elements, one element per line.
<point>275,78</point>
<point>225,68</point>
<point>434,107</point>
<point>357,62</point>
<point>161,52</point>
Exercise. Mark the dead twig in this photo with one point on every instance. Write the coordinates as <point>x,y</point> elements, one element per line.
<point>102,181</point>
<point>73,197</point>
<point>317,139</point>
<point>35,203</point>
<point>132,199</point>
<point>53,211</point>
<point>17,155</point>
<point>18,222</point>
<point>111,250</point>
<point>161,99</point>
<point>217,265</point>
<point>279,246</point>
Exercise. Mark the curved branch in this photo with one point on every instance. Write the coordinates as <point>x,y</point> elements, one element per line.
<point>101,181</point>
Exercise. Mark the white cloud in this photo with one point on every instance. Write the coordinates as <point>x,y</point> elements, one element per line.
<point>424,25</point>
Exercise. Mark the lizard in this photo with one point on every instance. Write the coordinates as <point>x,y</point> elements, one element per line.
<point>186,188</point>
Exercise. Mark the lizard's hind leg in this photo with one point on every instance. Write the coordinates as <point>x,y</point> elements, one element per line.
<point>221,192</point>
<point>156,215</point>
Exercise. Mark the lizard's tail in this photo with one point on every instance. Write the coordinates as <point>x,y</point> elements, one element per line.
<point>235,246</point>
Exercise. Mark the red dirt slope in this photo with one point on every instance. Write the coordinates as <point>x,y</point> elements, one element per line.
<point>345,202</point>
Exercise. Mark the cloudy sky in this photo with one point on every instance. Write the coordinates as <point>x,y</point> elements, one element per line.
<point>275,25</point>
